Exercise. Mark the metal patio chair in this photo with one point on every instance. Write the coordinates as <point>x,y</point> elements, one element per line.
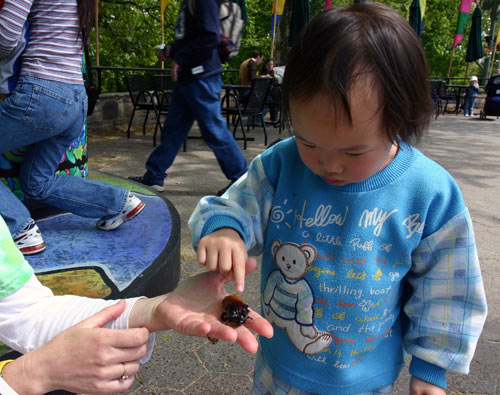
<point>249,105</point>
<point>142,99</point>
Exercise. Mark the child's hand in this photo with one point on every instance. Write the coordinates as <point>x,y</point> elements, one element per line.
<point>225,251</point>
<point>420,387</point>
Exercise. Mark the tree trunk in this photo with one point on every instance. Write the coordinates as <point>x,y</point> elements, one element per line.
<point>282,32</point>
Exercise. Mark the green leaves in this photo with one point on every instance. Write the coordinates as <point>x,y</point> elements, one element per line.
<point>129,30</point>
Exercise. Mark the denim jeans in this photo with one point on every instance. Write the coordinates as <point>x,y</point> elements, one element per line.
<point>273,113</point>
<point>46,116</point>
<point>469,105</point>
<point>196,100</point>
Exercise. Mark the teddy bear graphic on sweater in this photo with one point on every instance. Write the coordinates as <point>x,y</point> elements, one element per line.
<point>288,298</point>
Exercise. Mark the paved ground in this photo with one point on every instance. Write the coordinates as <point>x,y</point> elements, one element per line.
<point>468,148</point>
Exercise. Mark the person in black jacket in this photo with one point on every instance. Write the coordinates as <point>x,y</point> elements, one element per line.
<point>196,69</point>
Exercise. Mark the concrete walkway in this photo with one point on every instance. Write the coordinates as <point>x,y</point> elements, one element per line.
<point>468,147</point>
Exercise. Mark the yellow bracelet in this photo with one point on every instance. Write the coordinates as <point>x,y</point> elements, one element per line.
<point>3,363</point>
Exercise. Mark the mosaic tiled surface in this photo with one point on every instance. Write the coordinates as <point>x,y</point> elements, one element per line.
<point>74,242</point>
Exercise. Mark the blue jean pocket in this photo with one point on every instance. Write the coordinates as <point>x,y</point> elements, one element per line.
<point>45,110</point>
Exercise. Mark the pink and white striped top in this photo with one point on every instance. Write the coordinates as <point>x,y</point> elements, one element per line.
<point>54,50</point>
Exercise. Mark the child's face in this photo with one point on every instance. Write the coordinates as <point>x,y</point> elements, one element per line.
<point>339,152</point>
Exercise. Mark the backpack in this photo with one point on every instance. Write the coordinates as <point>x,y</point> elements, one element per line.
<point>231,28</point>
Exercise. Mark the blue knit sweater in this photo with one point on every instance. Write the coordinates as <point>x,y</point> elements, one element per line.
<point>354,276</point>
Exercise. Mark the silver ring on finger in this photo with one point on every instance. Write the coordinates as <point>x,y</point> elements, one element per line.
<point>124,376</point>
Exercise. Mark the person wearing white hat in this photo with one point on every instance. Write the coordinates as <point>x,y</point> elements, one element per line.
<point>471,96</point>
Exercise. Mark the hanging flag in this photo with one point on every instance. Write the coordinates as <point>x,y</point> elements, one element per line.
<point>463,18</point>
<point>422,7</point>
<point>498,35</point>
<point>475,45</point>
<point>163,5</point>
<point>328,5</point>
<point>416,17</point>
<point>301,14</point>
<point>278,7</point>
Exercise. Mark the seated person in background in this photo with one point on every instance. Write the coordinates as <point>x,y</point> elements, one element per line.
<point>267,70</point>
<point>248,72</point>
<point>248,69</point>
<point>91,345</point>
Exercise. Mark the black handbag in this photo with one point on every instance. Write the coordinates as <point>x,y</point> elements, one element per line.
<point>91,88</point>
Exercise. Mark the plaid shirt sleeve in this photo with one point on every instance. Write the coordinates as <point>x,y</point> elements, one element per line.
<point>447,307</point>
<point>246,207</point>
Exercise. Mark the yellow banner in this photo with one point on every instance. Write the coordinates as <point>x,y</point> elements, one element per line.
<point>278,5</point>
<point>422,7</point>
<point>163,5</point>
<point>498,34</point>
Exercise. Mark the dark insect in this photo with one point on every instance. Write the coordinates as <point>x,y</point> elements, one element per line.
<point>235,311</point>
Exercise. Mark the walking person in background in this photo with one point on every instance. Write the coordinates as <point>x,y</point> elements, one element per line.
<point>471,96</point>
<point>196,69</point>
<point>45,113</point>
<point>368,250</point>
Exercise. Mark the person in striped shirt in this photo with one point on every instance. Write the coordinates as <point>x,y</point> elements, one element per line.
<point>45,112</point>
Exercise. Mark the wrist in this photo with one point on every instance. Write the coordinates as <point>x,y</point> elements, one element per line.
<point>428,372</point>
<point>145,314</point>
<point>5,388</point>
<point>22,378</point>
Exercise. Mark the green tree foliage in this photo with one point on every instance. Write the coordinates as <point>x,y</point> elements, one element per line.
<point>130,29</point>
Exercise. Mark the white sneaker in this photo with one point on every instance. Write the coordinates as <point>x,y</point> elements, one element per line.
<point>133,206</point>
<point>30,240</point>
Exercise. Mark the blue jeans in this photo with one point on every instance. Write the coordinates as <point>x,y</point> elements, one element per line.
<point>46,116</point>
<point>273,113</point>
<point>469,105</point>
<point>196,100</point>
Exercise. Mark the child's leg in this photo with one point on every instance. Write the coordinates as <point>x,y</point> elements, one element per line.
<point>266,382</point>
<point>473,102</point>
<point>466,106</point>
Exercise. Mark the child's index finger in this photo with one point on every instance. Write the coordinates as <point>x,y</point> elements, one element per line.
<point>239,277</point>
<point>239,269</point>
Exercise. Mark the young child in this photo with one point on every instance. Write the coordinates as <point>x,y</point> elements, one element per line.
<point>471,96</point>
<point>367,246</point>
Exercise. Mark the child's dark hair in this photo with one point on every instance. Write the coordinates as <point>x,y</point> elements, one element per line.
<point>343,44</point>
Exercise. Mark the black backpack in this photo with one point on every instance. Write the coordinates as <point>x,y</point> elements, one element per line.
<point>231,28</point>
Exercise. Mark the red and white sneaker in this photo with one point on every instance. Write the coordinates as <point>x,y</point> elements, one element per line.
<point>133,206</point>
<point>30,240</point>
